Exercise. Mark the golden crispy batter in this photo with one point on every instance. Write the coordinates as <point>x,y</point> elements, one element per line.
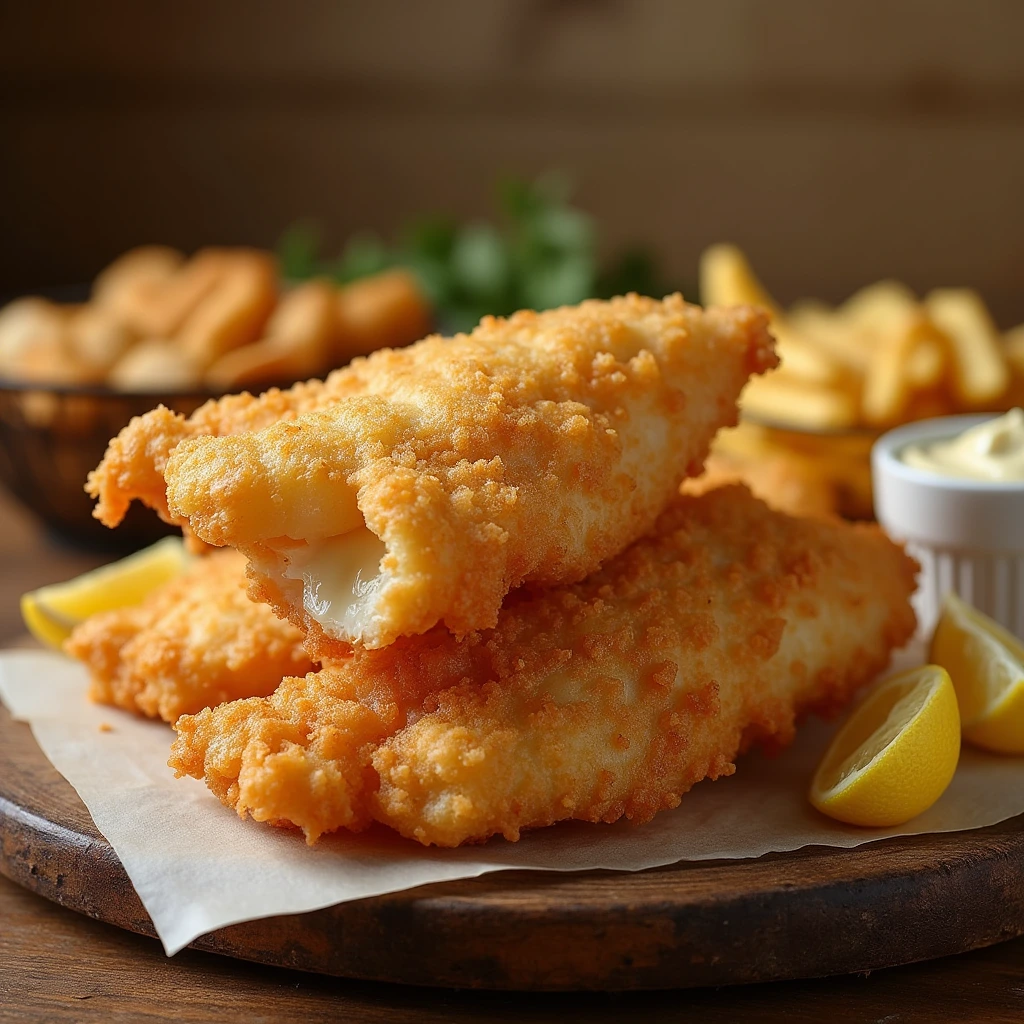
<point>133,466</point>
<point>603,699</point>
<point>529,451</point>
<point>194,643</point>
<point>785,484</point>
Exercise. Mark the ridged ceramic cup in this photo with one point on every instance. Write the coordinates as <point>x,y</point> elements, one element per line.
<point>968,535</point>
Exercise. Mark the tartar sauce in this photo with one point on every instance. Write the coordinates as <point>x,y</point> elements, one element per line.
<point>993,450</point>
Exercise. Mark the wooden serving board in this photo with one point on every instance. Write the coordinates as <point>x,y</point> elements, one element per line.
<point>811,913</point>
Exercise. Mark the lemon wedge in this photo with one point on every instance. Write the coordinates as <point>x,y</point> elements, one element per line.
<point>897,753</point>
<point>986,664</point>
<point>52,612</point>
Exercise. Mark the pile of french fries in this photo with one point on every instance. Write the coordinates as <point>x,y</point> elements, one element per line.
<point>221,320</point>
<point>882,358</point>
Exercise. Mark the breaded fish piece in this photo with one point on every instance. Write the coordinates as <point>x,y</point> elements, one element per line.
<point>133,466</point>
<point>193,643</point>
<point>526,452</point>
<point>594,701</point>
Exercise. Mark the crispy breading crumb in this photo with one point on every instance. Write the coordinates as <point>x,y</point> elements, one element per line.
<point>605,699</point>
<point>528,451</point>
<point>195,642</point>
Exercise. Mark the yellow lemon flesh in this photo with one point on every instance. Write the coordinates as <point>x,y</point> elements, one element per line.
<point>897,753</point>
<point>52,612</point>
<point>986,664</point>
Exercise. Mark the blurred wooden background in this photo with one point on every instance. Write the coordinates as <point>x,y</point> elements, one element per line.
<point>837,142</point>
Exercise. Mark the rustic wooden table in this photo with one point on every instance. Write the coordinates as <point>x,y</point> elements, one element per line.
<point>58,966</point>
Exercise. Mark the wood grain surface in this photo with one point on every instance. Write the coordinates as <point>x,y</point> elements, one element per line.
<point>811,913</point>
<point>63,968</point>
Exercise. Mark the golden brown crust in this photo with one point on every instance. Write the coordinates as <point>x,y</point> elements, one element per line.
<point>783,484</point>
<point>529,451</point>
<point>196,642</point>
<point>603,699</point>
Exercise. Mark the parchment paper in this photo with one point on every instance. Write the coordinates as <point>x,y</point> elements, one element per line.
<point>197,866</point>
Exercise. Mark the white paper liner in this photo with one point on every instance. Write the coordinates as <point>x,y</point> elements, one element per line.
<point>196,866</point>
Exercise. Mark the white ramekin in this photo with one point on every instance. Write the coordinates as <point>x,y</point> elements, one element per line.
<point>968,535</point>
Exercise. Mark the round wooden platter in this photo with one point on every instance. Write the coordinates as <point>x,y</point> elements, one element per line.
<point>815,912</point>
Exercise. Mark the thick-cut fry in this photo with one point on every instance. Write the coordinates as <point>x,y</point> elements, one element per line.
<point>193,643</point>
<point>876,307</point>
<point>727,279</point>
<point>928,358</point>
<point>528,451</point>
<point>803,359</point>
<point>850,346</point>
<point>785,399</point>
<point>605,699</point>
<point>980,373</point>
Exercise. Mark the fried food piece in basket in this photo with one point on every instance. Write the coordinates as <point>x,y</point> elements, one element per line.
<point>194,643</point>
<point>153,294</point>
<point>125,289</point>
<point>155,365</point>
<point>607,698</point>
<point>299,341</point>
<point>233,312</point>
<point>387,310</point>
<point>529,451</point>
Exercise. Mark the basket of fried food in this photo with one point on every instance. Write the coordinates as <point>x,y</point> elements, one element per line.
<point>848,373</point>
<point>163,328</point>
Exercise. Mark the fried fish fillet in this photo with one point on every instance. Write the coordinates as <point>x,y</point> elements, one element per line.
<point>194,643</point>
<point>603,699</point>
<point>453,471</point>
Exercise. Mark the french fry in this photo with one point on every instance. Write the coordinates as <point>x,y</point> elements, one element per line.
<point>782,398</point>
<point>727,279</point>
<point>881,358</point>
<point>886,385</point>
<point>876,307</point>
<point>928,358</point>
<point>847,344</point>
<point>1013,350</point>
<point>980,374</point>
<point>804,359</point>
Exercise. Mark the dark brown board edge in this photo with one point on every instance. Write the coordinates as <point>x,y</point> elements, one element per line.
<point>812,913</point>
